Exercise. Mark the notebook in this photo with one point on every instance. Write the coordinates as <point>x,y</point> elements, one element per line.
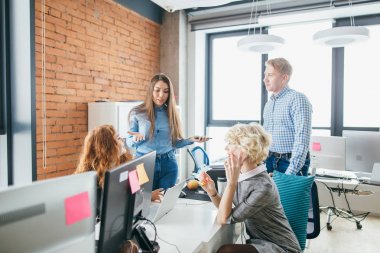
<point>158,210</point>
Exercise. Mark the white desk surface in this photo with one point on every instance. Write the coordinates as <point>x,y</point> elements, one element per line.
<point>191,227</point>
<point>365,198</point>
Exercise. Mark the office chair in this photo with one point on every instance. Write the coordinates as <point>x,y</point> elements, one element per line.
<point>299,198</point>
<point>313,223</point>
<point>199,157</point>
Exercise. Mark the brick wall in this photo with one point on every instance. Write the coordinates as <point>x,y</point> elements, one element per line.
<point>94,50</point>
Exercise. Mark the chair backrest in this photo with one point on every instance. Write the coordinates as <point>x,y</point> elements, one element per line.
<point>295,198</point>
<point>313,224</point>
<point>200,157</point>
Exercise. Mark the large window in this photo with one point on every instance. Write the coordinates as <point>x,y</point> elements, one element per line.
<point>341,83</point>
<point>311,67</point>
<point>361,82</point>
<point>231,71</point>
<point>234,71</point>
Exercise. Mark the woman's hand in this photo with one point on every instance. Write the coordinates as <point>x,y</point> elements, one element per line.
<point>233,165</point>
<point>137,137</point>
<point>157,195</point>
<point>207,183</point>
<point>199,139</point>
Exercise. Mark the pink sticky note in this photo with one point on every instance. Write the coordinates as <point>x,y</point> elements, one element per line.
<point>316,146</point>
<point>134,181</point>
<point>77,208</point>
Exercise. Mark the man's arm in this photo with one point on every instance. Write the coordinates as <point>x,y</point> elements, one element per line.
<point>301,113</point>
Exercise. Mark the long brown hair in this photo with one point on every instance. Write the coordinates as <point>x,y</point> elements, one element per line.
<point>148,107</point>
<point>101,152</point>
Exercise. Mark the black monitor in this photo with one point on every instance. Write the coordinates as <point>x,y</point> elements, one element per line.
<point>55,215</point>
<point>120,208</point>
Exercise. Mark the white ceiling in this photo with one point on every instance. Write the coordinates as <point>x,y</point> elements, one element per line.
<point>173,5</point>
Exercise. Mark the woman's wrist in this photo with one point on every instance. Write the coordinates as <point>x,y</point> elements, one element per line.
<point>213,195</point>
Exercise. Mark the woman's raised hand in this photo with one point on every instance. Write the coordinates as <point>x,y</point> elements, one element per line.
<point>137,136</point>
<point>207,183</point>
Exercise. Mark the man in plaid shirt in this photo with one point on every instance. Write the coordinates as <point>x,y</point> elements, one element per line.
<point>287,117</point>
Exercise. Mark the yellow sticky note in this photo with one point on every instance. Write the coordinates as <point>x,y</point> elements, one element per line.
<point>143,177</point>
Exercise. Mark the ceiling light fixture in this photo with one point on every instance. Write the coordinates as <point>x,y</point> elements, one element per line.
<point>342,35</point>
<point>259,43</point>
<point>174,5</point>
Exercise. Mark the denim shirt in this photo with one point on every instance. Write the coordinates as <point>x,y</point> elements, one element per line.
<point>161,141</point>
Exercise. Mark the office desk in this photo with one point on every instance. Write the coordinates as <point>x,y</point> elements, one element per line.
<point>191,227</point>
<point>361,197</point>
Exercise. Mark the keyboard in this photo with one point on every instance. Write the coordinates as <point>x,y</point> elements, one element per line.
<point>336,173</point>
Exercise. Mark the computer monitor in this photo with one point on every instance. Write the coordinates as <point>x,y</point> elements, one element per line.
<point>55,215</point>
<point>328,152</point>
<point>120,208</point>
<point>363,150</point>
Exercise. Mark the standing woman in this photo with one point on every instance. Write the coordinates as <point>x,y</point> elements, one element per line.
<point>155,125</point>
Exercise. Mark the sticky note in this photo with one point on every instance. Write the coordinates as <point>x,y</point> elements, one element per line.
<point>134,181</point>
<point>77,208</point>
<point>143,177</point>
<point>123,176</point>
<point>316,146</point>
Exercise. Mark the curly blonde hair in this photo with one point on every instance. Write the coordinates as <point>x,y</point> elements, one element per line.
<point>101,152</point>
<point>251,138</point>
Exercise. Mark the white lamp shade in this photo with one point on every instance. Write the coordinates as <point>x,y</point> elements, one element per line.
<point>341,36</point>
<point>260,43</point>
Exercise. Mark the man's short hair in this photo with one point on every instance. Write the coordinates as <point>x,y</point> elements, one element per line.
<point>281,65</point>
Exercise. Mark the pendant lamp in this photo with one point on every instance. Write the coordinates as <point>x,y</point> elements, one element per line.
<point>259,43</point>
<point>342,35</point>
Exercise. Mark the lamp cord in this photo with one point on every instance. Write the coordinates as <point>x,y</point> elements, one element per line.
<point>352,19</point>
<point>250,19</point>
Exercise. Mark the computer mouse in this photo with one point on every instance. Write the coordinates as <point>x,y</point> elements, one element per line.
<point>182,194</point>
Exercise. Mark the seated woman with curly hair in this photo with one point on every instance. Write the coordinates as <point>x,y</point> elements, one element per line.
<point>253,193</point>
<point>104,150</point>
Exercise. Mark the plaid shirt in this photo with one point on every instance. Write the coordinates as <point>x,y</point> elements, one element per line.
<point>287,117</point>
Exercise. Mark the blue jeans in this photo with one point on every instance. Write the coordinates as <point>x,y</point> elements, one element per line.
<point>281,164</point>
<point>165,170</point>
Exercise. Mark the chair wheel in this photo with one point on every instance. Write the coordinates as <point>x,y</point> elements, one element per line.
<point>329,227</point>
<point>358,225</point>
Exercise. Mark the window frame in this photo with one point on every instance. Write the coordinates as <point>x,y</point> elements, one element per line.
<point>4,56</point>
<point>210,122</point>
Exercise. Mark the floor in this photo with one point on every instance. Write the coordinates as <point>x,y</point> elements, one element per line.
<point>345,237</point>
